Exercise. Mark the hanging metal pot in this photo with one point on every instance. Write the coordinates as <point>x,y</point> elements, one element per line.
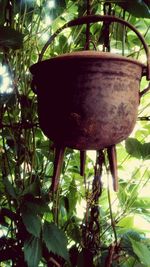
<point>89,99</point>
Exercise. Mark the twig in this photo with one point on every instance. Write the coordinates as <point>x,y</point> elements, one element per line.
<point>109,258</point>
<point>55,262</point>
<point>111,213</point>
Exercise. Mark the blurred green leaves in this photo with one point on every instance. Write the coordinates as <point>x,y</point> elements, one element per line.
<point>142,252</point>
<point>137,149</point>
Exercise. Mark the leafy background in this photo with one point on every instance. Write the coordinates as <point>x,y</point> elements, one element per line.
<point>36,230</point>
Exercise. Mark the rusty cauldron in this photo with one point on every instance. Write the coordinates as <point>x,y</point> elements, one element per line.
<point>88,99</point>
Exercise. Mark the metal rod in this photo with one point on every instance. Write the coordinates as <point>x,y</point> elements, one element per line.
<point>82,162</point>
<point>94,19</point>
<point>58,162</point>
<point>112,157</point>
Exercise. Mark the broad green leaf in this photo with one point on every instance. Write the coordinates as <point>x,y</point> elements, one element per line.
<point>33,251</point>
<point>125,242</point>
<point>33,188</point>
<point>10,38</point>
<point>127,222</point>
<point>72,196</point>
<point>61,3</point>
<point>63,43</point>
<point>133,147</point>
<point>122,193</point>
<point>145,151</point>
<point>37,206</point>
<point>31,220</point>
<point>142,203</point>
<point>55,240</point>
<point>130,262</point>
<point>142,251</point>
<point>130,234</point>
<point>9,188</point>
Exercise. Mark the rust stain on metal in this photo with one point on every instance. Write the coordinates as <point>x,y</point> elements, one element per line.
<point>88,99</point>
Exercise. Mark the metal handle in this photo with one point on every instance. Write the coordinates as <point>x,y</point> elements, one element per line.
<point>94,19</point>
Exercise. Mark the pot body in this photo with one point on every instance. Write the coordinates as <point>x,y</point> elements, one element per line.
<point>87,100</point>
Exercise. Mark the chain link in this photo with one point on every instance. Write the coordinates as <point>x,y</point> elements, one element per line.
<point>91,231</point>
<point>106,28</point>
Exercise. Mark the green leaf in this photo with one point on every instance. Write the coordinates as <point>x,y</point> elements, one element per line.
<point>137,8</point>
<point>129,262</point>
<point>55,240</point>
<point>61,3</point>
<point>33,188</point>
<point>33,251</point>
<point>126,244</point>
<point>74,230</point>
<point>145,151</point>
<point>9,188</point>
<point>63,43</point>
<point>72,196</point>
<point>31,220</point>
<point>127,222</point>
<point>133,147</point>
<point>132,234</point>
<point>142,251</point>
<point>142,203</point>
<point>10,38</point>
<point>37,206</point>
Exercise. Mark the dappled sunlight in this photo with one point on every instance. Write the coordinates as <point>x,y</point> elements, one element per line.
<point>80,209</point>
<point>51,4</point>
<point>47,20</point>
<point>5,80</point>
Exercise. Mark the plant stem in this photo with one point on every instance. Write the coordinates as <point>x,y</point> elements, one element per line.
<point>110,209</point>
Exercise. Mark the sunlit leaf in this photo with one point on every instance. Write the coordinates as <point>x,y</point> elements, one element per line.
<point>127,222</point>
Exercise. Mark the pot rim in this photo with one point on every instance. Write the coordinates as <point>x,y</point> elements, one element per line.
<point>88,54</point>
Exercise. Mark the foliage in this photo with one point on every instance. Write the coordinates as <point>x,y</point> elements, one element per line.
<point>36,227</point>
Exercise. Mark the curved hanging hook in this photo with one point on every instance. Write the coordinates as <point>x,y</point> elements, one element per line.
<point>94,19</point>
